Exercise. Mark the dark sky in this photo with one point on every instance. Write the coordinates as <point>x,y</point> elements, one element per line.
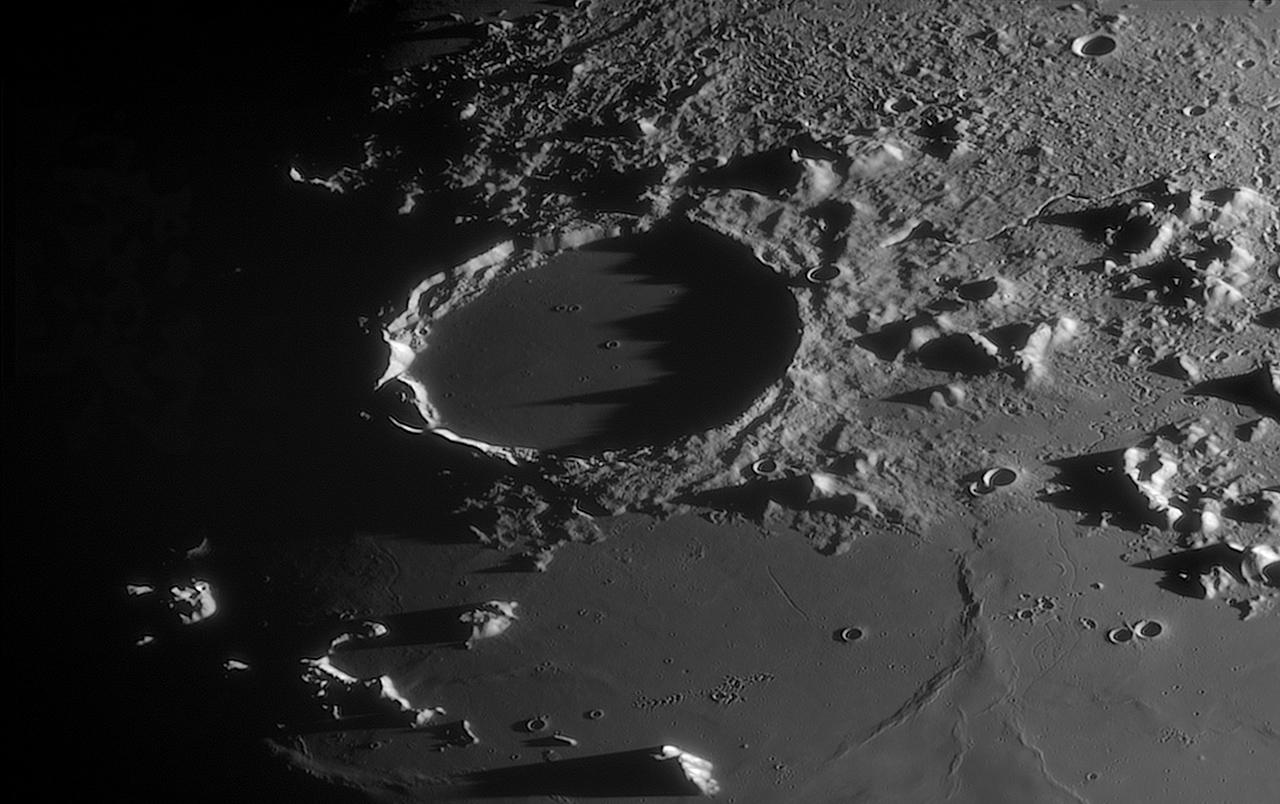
<point>144,146</point>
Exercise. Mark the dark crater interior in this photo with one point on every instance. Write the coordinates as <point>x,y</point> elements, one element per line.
<point>630,341</point>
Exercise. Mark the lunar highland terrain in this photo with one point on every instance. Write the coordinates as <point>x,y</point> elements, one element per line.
<point>778,401</point>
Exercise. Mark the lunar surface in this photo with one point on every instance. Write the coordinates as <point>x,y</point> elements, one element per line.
<point>613,399</point>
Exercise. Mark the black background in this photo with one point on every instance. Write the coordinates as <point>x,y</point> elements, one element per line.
<point>183,327</point>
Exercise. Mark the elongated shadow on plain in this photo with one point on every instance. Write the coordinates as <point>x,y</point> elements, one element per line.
<point>892,339</point>
<point>1096,487</point>
<point>957,354</point>
<point>772,173</point>
<point>623,773</point>
<point>920,397</point>
<point>1184,568</point>
<point>366,722</point>
<point>1254,389</point>
<point>752,499</point>
<point>441,626</point>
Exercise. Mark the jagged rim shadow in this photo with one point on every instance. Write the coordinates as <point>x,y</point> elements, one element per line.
<point>730,333</point>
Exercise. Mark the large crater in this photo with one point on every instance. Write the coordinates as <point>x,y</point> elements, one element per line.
<point>627,342</point>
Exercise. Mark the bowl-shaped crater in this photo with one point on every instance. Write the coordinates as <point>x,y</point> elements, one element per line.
<point>1094,45</point>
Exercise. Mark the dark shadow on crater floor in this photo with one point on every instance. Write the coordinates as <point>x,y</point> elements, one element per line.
<point>630,341</point>
<point>731,332</point>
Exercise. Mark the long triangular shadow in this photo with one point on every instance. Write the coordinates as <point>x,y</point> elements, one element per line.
<point>623,773</point>
<point>730,332</point>
<point>1108,224</point>
<point>440,626</point>
<point>892,339</point>
<point>1183,569</point>
<point>1010,337</point>
<point>1093,224</point>
<point>1171,281</point>
<point>772,173</point>
<point>920,397</point>
<point>1197,561</point>
<point>364,722</point>
<point>957,353</point>
<point>1253,389</point>
<point>753,498</point>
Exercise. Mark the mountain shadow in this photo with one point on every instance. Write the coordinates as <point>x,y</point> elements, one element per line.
<point>1257,389</point>
<point>642,772</point>
<point>1095,486</point>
